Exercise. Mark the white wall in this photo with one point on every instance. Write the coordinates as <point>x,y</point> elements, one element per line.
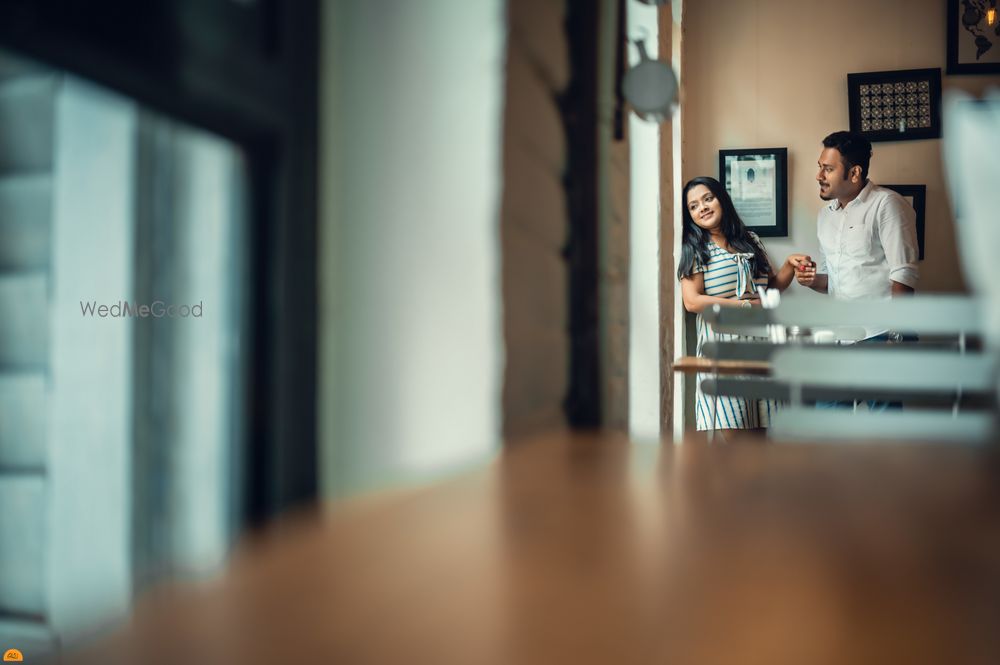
<point>644,245</point>
<point>410,340</point>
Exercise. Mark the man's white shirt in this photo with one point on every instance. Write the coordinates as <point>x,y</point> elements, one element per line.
<point>867,243</point>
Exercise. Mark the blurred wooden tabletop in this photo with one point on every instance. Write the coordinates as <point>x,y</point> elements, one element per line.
<point>696,364</point>
<point>584,549</point>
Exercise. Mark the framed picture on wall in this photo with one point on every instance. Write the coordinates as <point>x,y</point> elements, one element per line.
<point>900,105</point>
<point>916,196</point>
<point>973,37</point>
<point>757,181</point>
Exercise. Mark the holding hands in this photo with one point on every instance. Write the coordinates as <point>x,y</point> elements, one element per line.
<point>805,272</point>
<point>799,261</point>
<point>792,267</point>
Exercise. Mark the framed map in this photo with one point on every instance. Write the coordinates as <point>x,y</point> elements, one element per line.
<point>898,105</point>
<point>973,37</point>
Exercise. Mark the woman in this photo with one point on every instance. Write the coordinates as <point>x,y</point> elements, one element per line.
<point>724,263</point>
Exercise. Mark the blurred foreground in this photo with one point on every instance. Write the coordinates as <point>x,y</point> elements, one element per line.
<point>585,549</point>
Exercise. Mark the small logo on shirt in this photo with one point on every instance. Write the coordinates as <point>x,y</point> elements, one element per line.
<point>12,656</point>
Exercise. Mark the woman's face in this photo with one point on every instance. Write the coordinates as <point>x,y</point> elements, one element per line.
<point>705,209</point>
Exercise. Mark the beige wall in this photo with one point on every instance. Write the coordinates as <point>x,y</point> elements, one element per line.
<point>667,238</point>
<point>773,73</point>
<point>613,226</point>
<point>533,221</point>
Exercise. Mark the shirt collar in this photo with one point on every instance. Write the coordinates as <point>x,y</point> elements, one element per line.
<point>862,196</point>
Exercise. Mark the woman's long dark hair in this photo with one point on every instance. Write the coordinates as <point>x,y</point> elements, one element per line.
<point>694,239</point>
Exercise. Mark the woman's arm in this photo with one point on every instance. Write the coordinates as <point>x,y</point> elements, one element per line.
<point>786,273</point>
<point>695,300</point>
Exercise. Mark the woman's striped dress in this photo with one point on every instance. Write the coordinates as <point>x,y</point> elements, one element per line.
<point>728,276</point>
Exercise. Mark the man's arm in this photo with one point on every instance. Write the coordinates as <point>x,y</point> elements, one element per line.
<point>820,283</point>
<point>897,229</point>
<point>900,289</point>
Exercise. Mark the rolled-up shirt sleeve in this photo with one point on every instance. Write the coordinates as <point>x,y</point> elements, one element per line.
<point>897,229</point>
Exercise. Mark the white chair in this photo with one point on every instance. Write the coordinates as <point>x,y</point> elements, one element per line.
<point>945,374</point>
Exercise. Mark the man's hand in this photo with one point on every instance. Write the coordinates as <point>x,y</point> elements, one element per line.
<point>807,276</point>
<point>781,279</point>
<point>805,273</point>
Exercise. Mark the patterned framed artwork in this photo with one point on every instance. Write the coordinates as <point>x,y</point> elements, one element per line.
<point>901,105</point>
<point>973,37</point>
<point>916,196</point>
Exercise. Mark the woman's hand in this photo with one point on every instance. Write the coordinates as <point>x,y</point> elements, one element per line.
<point>798,261</point>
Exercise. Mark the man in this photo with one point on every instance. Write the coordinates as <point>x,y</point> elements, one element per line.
<point>867,234</point>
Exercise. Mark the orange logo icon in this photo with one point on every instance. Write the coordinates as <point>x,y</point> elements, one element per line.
<point>12,656</point>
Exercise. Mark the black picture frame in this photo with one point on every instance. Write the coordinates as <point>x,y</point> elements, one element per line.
<point>760,192</point>
<point>962,39</point>
<point>900,105</point>
<point>917,195</point>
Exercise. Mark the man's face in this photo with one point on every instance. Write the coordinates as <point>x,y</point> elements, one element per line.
<point>834,181</point>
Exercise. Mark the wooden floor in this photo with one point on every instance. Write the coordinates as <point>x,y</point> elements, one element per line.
<point>584,549</point>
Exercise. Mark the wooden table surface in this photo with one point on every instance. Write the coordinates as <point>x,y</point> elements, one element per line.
<point>585,549</point>
<point>694,364</point>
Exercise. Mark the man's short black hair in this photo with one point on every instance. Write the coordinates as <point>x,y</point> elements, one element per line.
<point>855,150</point>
